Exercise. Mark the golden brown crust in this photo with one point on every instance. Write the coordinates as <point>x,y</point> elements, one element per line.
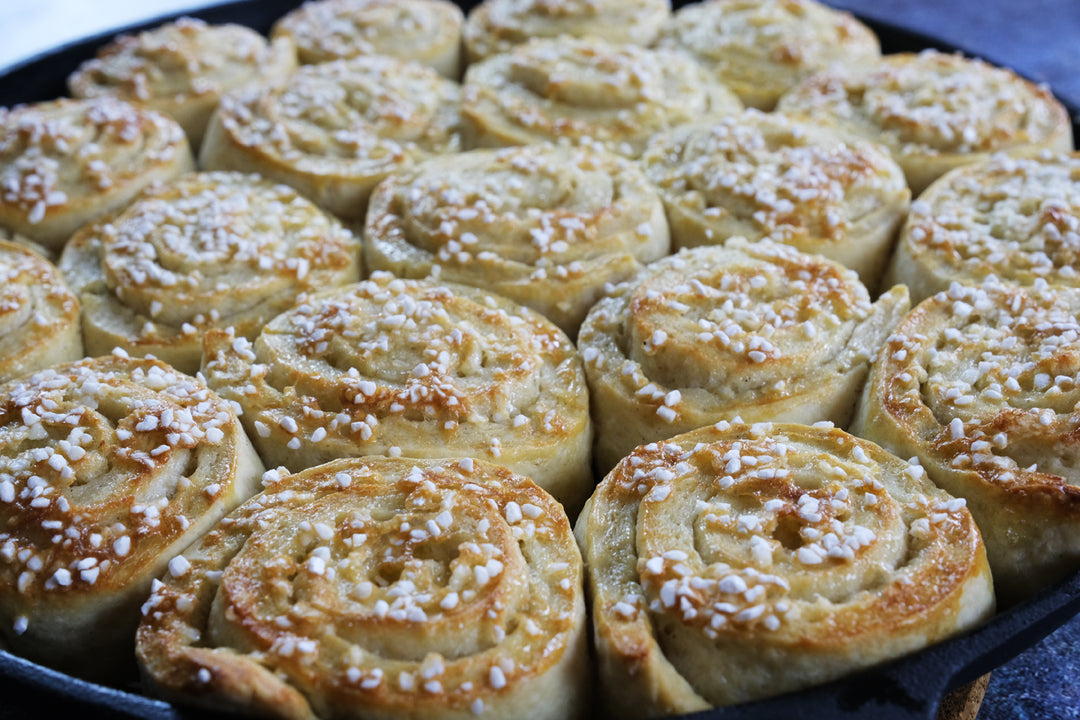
<point>545,226</point>
<point>496,26</point>
<point>980,383</point>
<point>736,562</point>
<point>39,316</point>
<point>416,369</point>
<point>752,330</point>
<point>66,163</point>
<point>378,588</point>
<point>934,111</point>
<point>208,250</point>
<point>756,175</point>
<point>572,89</point>
<point>108,468</point>
<point>424,31</point>
<point>763,48</point>
<point>334,130</point>
<point>1016,219</point>
<point>183,68</point>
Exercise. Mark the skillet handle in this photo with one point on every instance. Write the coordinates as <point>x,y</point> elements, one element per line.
<point>912,687</point>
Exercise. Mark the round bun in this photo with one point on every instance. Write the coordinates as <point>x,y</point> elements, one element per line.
<point>183,68</point>
<point>1017,219</point>
<point>39,316</point>
<point>571,89</point>
<point>935,111</point>
<point>980,384</point>
<point>736,562</point>
<point>207,250</point>
<point>752,330</point>
<point>109,467</point>
<point>65,163</point>
<point>496,26</point>
<point>545,226</point>
<point>333,131</point>
<point>426,31</point>
<point>378,588</point>
<point>762,48</point>
<point>416,369</point>
<point>756,175</point>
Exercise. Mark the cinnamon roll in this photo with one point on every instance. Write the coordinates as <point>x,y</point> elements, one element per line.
<point>426,31</point>
<point>752,330</point>
<point>981,385</point>
<point>574,89</point>
<point>109,467</point>
<point>334,130</point>
<point>762,48</point>
<point>378,588</point>
<point>934,111</point>
<point>496,26</point>
<point>207,250</point>
<point>545,226</point>
<point>413,369</point>
<point>1017,219</point>
<point>736,562</point>
<point>39,316</point>
<point>756,175</point>
<point>183,68</point>
<point>65,163</point>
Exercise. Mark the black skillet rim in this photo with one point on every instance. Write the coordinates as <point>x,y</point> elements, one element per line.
<point>910,687</point>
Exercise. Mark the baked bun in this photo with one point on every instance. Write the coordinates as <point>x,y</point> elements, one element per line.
<point>183,68</point>
<point>412,368</point>
<point>1013,218</point>
<point>545,226</point>
<point>334,130</point>
<point>736,562</point>
<point>496,26</point>
<point>574,89</point>
<point>109,467</point>
<point>979,383</point>
<point>756,175</point>
<point>65,163</point>
<point>752,330</point>
<point>207,250</point>
<point>426,31</point>
<point>762,48</point>
<point>935,111</point>
<point>39,316</point>
<point>378,588</point>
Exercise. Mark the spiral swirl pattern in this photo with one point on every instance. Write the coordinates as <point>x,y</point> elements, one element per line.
<point>183,68</point>
<point>759,331</point>
<point>377,587</point>
<point>763,48</point>
<point>496,26</point>
<point>547,227</point>
<point>208,250</point>
<point>333,131</point>
<point>982,385</point>
<point>763,175</point>
<point>108,468</point>
<point>934,111</point>
<point>416,369</point>
<point>39,316</point>
<point>585,89</point>
<point>425,31</point>
<point>736,562</point>
<point>1017,219</point>
<point>65,163</point>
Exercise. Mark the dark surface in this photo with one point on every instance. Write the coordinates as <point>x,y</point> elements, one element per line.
<point>1040,39</point>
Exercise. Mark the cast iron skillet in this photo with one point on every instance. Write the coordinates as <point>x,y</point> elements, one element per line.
<point>906,689</point>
